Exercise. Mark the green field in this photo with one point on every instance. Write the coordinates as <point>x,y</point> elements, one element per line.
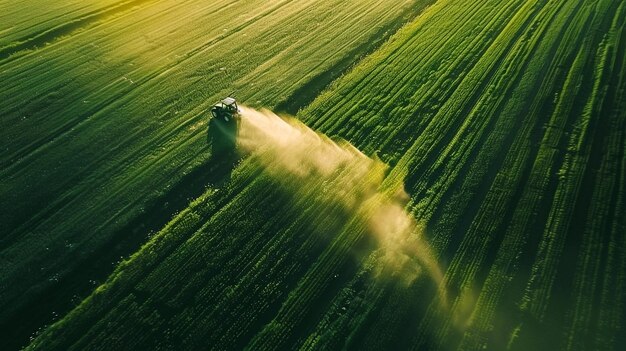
<point>454,177</point>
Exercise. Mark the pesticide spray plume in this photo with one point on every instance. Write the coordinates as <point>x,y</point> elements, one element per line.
<point>286,147</point>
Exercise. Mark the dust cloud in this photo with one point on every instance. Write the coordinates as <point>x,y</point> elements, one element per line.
<point>288,148</point>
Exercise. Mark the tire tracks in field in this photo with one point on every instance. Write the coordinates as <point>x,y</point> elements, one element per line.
<point>513,242</point>
<point>486,223</point>
<point>471,209</point>
<point>486,132</point>
<point>561,302</point>
<point>508,242</point>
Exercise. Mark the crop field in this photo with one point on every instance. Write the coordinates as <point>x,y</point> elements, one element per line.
<point>435,175</point>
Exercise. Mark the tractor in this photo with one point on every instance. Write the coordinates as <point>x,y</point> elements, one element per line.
<point>226,110</point>
<point>224,126</point>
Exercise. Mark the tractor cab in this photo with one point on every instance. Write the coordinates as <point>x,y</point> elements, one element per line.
<point>226,110</point>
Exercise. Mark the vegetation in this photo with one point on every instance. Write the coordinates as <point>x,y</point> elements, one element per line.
<point>504,122</point>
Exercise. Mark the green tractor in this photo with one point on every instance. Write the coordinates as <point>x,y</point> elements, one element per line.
<point>224,126</point>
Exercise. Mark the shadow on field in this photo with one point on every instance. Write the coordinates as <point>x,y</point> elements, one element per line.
<point>55,300</point>
<point>222,138</point>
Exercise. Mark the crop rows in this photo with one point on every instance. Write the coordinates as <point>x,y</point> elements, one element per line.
<point>116,108</point>
<point>551,34</point>
<point>504,121</point>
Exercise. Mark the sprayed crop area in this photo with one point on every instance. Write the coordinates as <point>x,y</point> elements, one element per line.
<point>460,187</point>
